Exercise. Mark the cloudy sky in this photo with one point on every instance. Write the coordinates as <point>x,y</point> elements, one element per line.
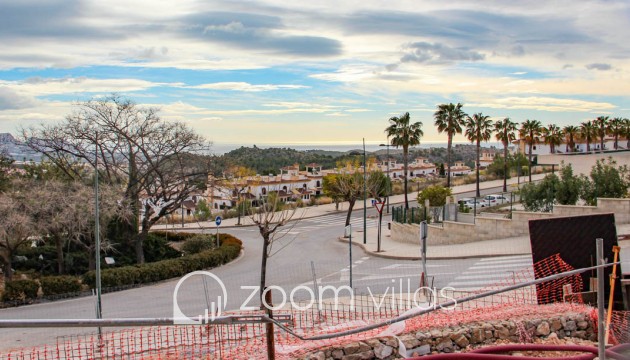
<point>272,71</point>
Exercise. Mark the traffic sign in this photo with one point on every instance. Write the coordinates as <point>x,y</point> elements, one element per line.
<point>379,206</point>
<point>373,202</point>
<point>217,220</point>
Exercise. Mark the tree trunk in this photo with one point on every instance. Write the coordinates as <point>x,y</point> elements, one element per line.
<point>477,165</point>
<point>531,146</point>
<point>448,158</point>
<point>505,166</point>
<point>91,259</point>
<point>238,210</point>
<point>139,244</point>
<point>405,164</point>
<point>350,207</point>
<point>263,269</point>
<point>271,345</point>
<point>616,140</point>
<point>59,248</point>
<point>7,269</point>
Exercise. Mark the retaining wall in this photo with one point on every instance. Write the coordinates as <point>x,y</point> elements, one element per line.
<point>448,340</point>
<point>486,228</point>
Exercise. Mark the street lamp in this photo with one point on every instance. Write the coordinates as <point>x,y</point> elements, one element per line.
<point>388,178</point>
<point>364,196</point>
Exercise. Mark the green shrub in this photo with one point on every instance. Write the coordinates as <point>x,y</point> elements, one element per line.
<point>167,269</point>
<point>174,236</point>
<point>198,244</point>
<point>20,290</point>
<point>54,285</point>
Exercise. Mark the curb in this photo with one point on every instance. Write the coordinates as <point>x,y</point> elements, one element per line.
<point>416,258</point>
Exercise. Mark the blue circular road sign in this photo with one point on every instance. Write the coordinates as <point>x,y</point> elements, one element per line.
<point>217,220</point>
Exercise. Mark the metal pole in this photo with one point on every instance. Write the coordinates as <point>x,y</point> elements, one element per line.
<point>182,214</point>
<point>97,237</point>
<point>601,345</point>
<point>349,228</point>
<point>364,196</point>
<point>424,229</point>
<point>389,180</point>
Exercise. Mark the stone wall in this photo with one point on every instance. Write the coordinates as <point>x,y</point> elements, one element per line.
<point>448,340</point>
<point>486,228</point>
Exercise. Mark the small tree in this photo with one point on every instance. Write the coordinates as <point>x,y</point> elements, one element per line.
<point>236,180</point>
<point>541,196</point>
<point>345,187</point>
<point>607,180</point>
<point>569,187</point>
<point>436,195</point>
<point>203,210</point>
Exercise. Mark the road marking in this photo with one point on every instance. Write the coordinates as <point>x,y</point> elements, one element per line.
<point>506,258</point>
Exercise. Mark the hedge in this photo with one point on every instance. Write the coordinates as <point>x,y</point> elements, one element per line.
<point>174,236</point>
<point>55,285</point>
<point>20,290</point>
<point>167,269</point>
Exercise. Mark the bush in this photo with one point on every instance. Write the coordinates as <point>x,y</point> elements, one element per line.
<point>54,285</point>
<point>20,290</point>
<point>198,244</point>
<point>167,269</point>
<point>173,236</point>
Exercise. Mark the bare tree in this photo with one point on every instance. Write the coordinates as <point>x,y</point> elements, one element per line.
<point>17,225</point>
<point>151,158</point>
<point>269,217</point>
<point>235,178</point>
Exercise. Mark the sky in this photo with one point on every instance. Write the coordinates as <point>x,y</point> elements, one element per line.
<point>315,72</point>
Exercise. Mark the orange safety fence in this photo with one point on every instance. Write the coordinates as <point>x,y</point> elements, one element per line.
<point>244,341</point>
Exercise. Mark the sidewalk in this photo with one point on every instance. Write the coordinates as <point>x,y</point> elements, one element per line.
<point>321,210</point>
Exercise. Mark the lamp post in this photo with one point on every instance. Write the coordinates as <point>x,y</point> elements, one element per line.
<point>364,196</point>
<point>388,178</point>
<point>97,237</point>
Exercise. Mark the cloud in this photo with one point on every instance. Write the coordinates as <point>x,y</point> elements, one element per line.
<point>545,104</point>
<point>427,53</point>
<point>599,66</point>
<point>255,31</point>
<point>243,86</point>
<point>10,100</point>
<point>38,86</point>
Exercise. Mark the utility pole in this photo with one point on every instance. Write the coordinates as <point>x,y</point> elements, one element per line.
<point>364,196</point>
<point>97,236</point>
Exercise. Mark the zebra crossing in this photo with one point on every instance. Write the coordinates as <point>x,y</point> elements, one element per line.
<point>333,220</point>
<point>493,271</point>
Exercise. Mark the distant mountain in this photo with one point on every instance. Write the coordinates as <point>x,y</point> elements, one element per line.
<point>16,150</point>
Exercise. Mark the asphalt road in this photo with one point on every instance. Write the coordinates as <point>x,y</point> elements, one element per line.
<point>308,253</point>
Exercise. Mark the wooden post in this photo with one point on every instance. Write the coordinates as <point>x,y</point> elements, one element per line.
<point>271,346</point>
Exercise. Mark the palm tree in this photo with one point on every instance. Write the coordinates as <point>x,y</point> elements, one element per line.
<point>405,134</point>
<point>449,119</point>
<point>553,136</point>
<point>601,123</point>
<point>530,131</point>
<point>570,133</point>
<point>588,132</point>
<point>615,126</point>
<point>478,129</point>
<point>505,130</point>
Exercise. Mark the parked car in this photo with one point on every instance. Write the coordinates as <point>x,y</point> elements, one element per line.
<point>470,203</point>
<point>496,199</point>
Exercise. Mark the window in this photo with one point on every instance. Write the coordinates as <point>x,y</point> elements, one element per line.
<point>318,184</point>
<point>264,191</point>
<point>534,147</point>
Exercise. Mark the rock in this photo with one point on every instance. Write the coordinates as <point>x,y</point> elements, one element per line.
<point>373,342</point>
<point>488,334</point>
<point>477,336</point>
<point>435,333</point>
<point>363,347</point>
<point>543,329</point>
<point>422,336</point>
<point>391,341</point>
<point>419,351</point>
<point>366,355</point>
<point>446,345</point>
<point>382,351</point>
<point>351,348</point>
<point>570,325</point>
<point>580,334</point>
<point>337,354</point>
<point>582,325</point>
<point>461,341</point>
<point>409,341</point>
<point>502,333</point>
<point>552,336</point>
<point>556,324</point>
<point>320,355</point>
